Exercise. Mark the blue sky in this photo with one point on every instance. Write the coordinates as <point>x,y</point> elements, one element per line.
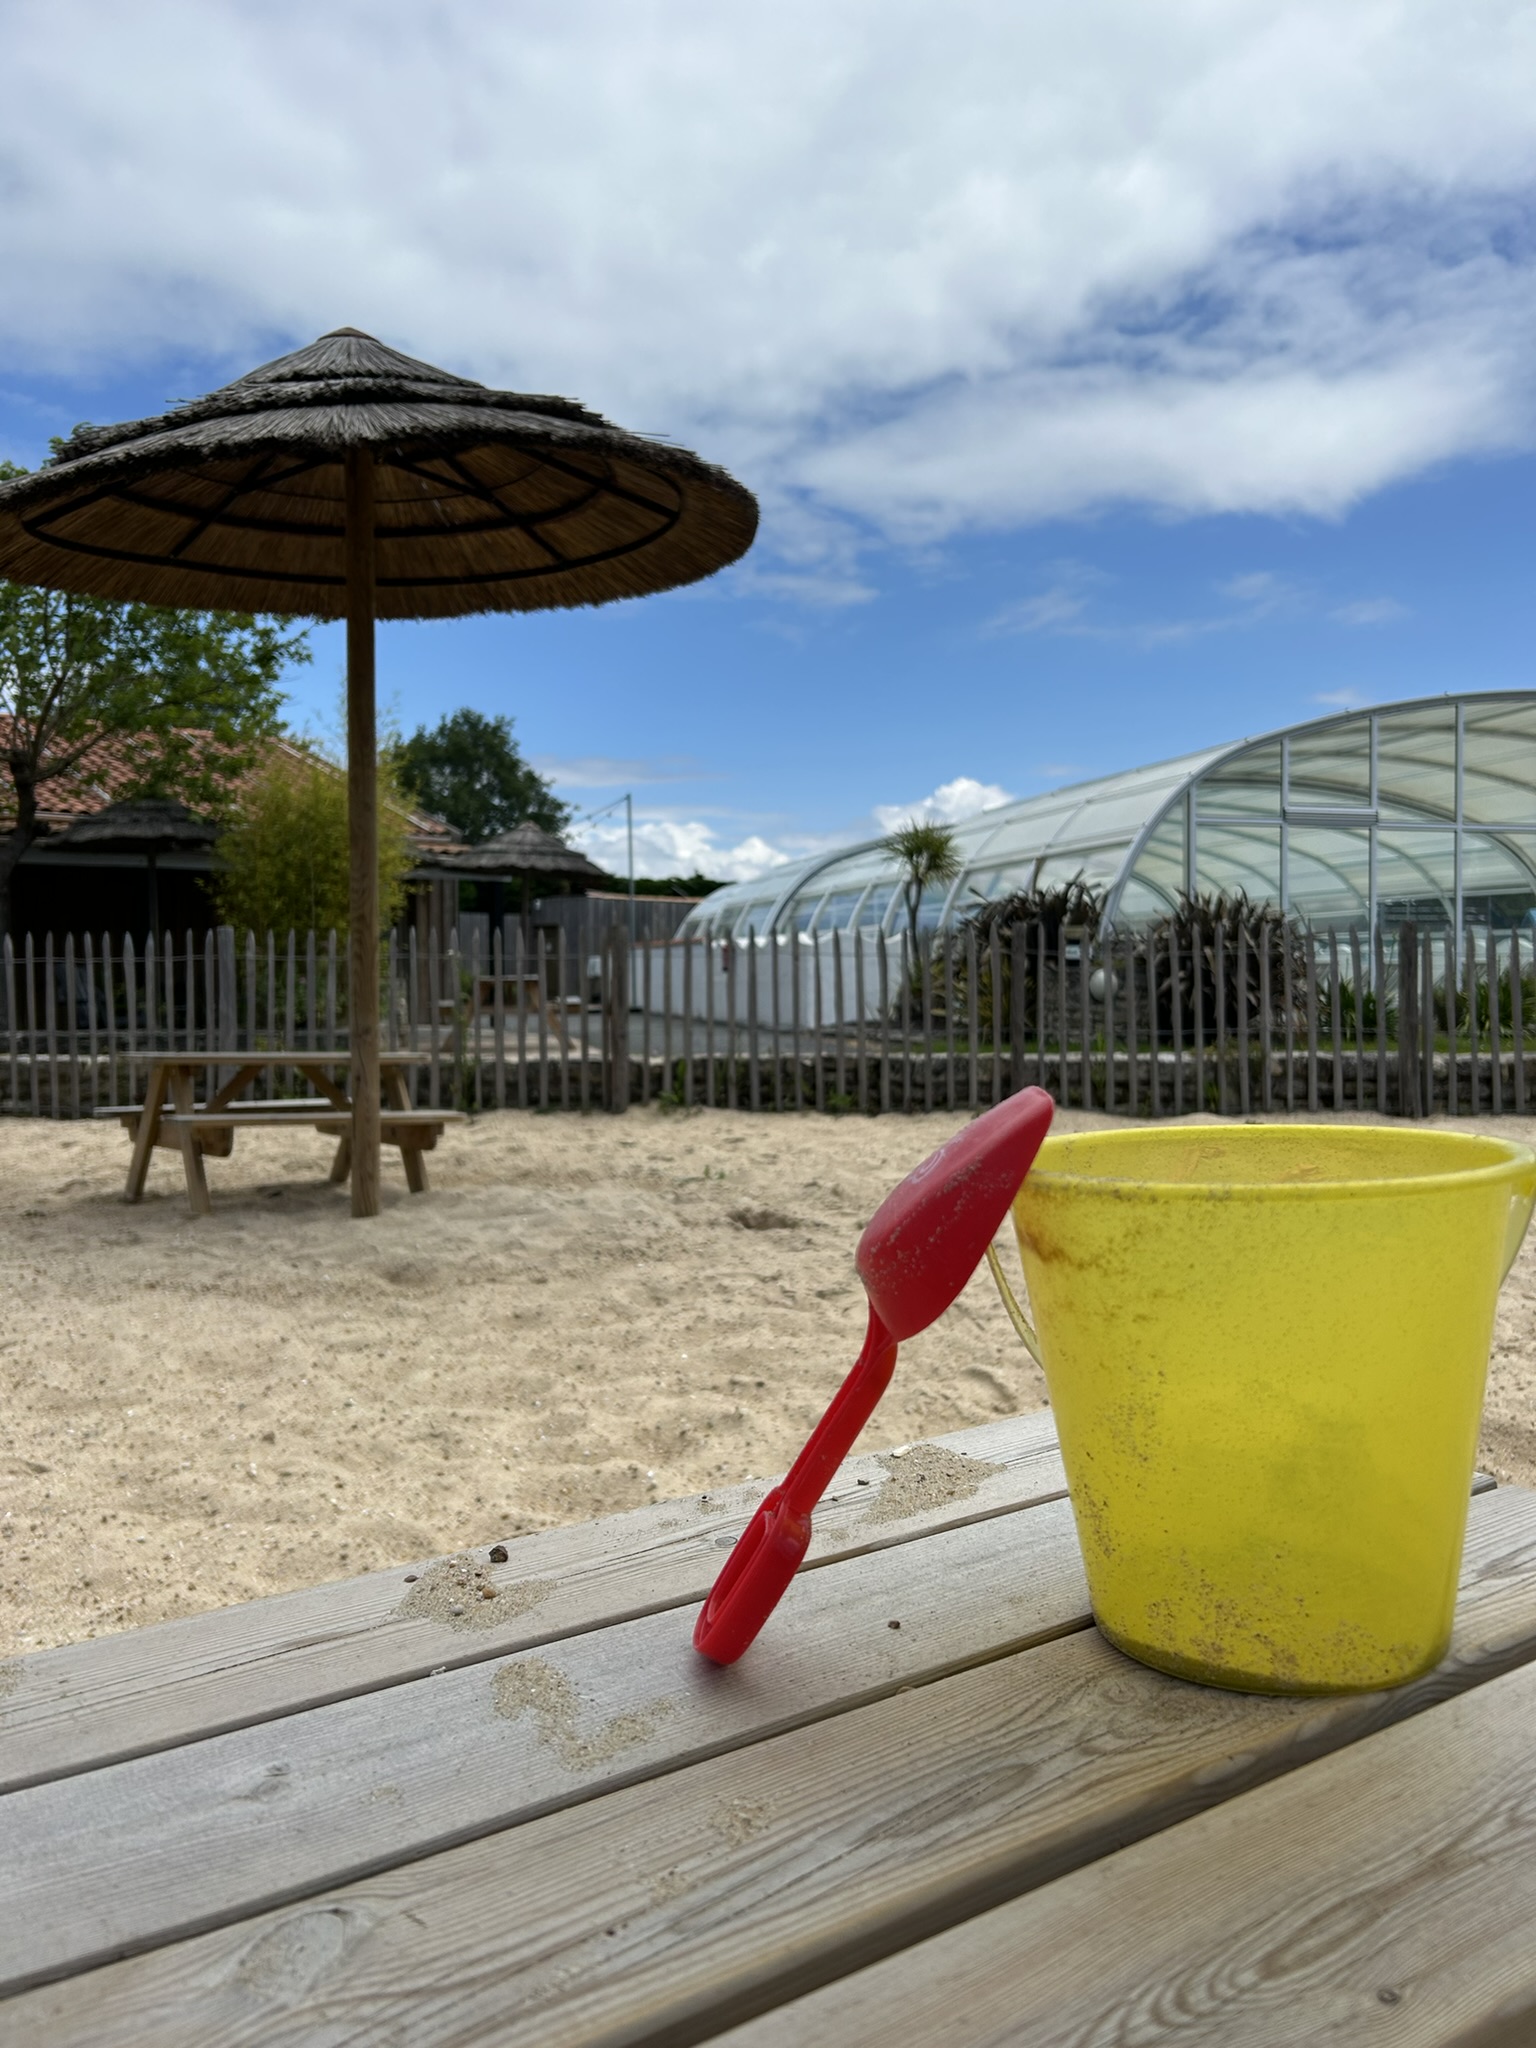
<point>1112,385</point>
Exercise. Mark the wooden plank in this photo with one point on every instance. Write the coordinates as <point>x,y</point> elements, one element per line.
<point>672,1907</point>
<point>753,957</point>
<point>1385,1893</point>
<point>1313,1102</point>
<point>904,956</point>
<point>884,958</point>
<point>775,957</point>
<point>1219,964</point>
<point>995,972</point>
<point>50,1026</point>
<point>101,1863</point>
<point>1452,1061</point>
<point>71,1018</point>
<point>1335,1022</point>
<point>1495,1042</point>
<point>1131,1029</point>
<point>86,1704</point>
<point>839,1063</point>
<point>1018,1010</point>
<point>1379,964</point>
<point>1176,1008</point>
<point>731,958</point>
<point>973,1007</point>
<point>860,1049</point>
<point>1516,1018</point>
<point>1359,994</point>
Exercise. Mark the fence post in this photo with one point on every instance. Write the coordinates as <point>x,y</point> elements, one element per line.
<point>1407,1020</point>
<point>1495,1021</point>
<point>226,998</point>
<point>1018,941</point>
<point>1244,1075</point>
<point>616,1020</point>
<point>1516,1018</point>
<point>1453,1050</point>
<point>1219,964</point>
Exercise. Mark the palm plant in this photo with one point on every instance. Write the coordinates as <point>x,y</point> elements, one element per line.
<point>1183,947</point>
<point>928,855</point>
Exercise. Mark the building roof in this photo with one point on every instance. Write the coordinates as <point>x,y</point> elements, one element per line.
<point>1425,808</point>
<point>113,768</point>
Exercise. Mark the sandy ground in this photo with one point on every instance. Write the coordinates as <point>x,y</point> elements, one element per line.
<point>585,1313</point>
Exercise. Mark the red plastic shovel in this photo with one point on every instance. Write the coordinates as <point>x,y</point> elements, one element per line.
<point>920,1247</point>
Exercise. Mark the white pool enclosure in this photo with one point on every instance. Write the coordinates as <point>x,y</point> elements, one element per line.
<point>1422,811</point>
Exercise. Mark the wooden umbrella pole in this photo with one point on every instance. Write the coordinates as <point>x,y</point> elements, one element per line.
<point>363,835</point>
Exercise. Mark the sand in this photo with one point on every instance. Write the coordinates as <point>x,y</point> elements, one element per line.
<point>584,1314</point>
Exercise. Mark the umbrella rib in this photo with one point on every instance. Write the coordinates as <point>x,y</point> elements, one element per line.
<point>629,547</point>
<point>320,579</point>
<point>619,490</point>
<point>216,513</point>
<point>36,525</point>
<point>526,523</point>
<point>518,522</point>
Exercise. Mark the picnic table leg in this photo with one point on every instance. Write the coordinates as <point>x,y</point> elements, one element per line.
<point>191,1151</point>
<point>144,1137</point>
<point>341,1165</point>
<point>410,1155</point>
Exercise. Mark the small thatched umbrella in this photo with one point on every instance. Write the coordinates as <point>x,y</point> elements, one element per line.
<point>147,825</point>
<point>530,854</point>
<point>347,480</point>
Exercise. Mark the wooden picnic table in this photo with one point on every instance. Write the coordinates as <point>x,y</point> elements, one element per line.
<point>170,1115</point>
<point>483,1801</point>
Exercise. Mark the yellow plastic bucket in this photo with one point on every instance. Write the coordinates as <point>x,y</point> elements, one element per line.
<point>1266,1348</point>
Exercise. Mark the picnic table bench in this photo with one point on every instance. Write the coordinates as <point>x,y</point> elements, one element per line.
<point>169,1115</point>
<point>498,1798</point>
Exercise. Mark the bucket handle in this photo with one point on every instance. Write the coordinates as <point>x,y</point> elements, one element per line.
<point>1026,1328</point>
<point>1522,1200</point>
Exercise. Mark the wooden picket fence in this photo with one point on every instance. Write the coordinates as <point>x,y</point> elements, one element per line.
<point>1142,1025</point>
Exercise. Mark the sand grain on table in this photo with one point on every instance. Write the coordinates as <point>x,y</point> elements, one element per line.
<point>586,1313</point>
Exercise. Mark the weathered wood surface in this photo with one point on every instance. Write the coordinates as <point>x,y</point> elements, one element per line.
<point>88,1704</point>
<point>670,1908</point>
<point>1385,1894</point>
<point>106,1861</point>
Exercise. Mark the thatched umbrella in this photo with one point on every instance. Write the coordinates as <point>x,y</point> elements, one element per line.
<point>149,825</point>
<point>530,854</point>
<point>347,480</point>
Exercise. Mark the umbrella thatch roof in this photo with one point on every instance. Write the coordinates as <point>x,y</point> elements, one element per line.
<point>526,850</point>
<point>139,825</point>
<point>485,500</point>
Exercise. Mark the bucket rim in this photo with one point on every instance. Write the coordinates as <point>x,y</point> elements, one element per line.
<point>1519,1159</point>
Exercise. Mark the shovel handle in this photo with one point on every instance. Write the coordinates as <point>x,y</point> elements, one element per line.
<point>768,1551</point>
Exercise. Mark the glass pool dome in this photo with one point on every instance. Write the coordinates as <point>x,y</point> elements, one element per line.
<point>1424,810</point>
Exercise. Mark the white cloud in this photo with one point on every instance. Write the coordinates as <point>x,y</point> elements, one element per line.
<point>1248,600</point>
<point>908,269</point>
<point>668,846</point>
<point>1371,611</point>
<point>948,804</point>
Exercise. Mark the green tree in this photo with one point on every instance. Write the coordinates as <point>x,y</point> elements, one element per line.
<point>469,770</point>
<point>191,693</point>
<point>928,854</point>
<point>284,851</point>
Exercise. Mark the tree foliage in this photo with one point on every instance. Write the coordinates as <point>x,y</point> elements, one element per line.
<point>285,851</point>
<point>190,693</point>
<point>469,770</point>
